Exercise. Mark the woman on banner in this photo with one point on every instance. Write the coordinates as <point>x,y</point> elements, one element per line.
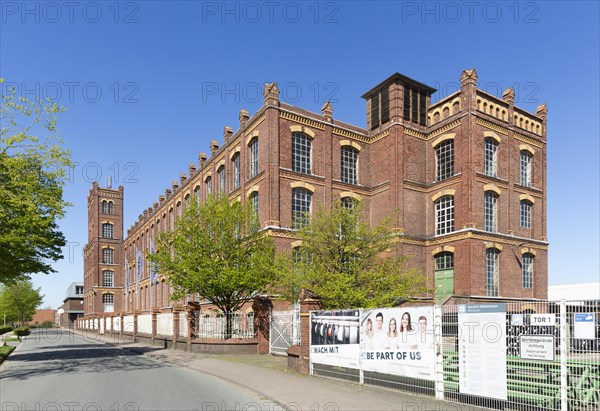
<point>407,333</point>
<point>392,335</point>
<point>367,341</point>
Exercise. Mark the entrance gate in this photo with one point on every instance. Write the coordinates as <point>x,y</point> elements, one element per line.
<point>284,330</point>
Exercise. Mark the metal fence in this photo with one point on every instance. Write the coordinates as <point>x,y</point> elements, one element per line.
<point>218,325</point>
<point>541,355</point>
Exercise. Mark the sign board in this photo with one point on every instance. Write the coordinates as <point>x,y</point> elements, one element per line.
<point>537,347</point>
<point>585,326</point>
<point>335,338</point>
<point>482,350</point>
<point>542,319</point>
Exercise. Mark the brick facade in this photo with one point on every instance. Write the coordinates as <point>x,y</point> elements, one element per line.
<point>397,178</point>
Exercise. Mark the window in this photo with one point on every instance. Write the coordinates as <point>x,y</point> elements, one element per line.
<point>348,203</point>
<point>253,157</point>
<point>444,215</point>
<point>490,166</point>
<point>78,290</point>
<point>186,200</point>
<point>108,278</point>
<point>444,261</point>
<point>301,201</point>
<point>110,207</point>
<point>108,301</point>
<point>415,105</point>
<point>208,183</point>
<point>444,156</point>
<point>491,212</point>
<point>221,179</point>
<point>197,193</point>
<point>525,168</point>
<point>491,271</point>
<point>171,219</point>
<point>349,157</point>
<point>107,230</point>
<point>108,256</point>
<point>525,214</point>
<point>527,270</point>
<point>236,171</point>
<point>178,209</point>
<point>104,207</point>
<point>301,153</point>
<point>254,202</point>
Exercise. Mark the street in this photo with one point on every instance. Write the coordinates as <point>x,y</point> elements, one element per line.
<point>55,370</point>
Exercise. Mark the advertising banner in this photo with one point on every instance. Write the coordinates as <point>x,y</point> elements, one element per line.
<point>335,338</point>
<point>398,341</point>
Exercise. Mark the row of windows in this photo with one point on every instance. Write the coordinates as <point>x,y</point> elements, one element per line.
<point>444,213</point>
<point>445,261</point>
<point>107,207</point>
<point>444,154</point>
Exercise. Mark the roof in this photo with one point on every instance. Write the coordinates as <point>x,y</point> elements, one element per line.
<point>397,77</point>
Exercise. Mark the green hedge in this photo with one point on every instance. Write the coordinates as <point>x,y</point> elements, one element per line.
<point>22,331</point>
<point>4,329</point>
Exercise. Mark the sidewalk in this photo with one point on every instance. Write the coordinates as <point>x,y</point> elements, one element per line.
<point>291,390</point>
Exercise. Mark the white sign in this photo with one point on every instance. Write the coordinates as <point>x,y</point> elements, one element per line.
<point>334,338</point>
<point>542,319</point>
<point>585,326</point>
<point>482,350</point>
<point>537,347</point>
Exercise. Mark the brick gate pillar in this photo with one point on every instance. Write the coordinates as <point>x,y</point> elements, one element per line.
<point>299,355</point>
<point>262,319</point>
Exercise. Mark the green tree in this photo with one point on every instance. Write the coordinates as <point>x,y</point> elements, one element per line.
<point>218,252</point>
<point>33,172</point>
<point>347,263</point>
<point>18,301</point>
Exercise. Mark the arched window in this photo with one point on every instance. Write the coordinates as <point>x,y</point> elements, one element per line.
<point>254,202</point>
<point>525,214</point>
<point>108,278</point>
<point>197,193</point>
<point>253,146</point>
<point>104,207</point>
<point>349,203</point>
<point>108,256</point>
<point>301,153</point>
<point>208,184</point>
<point>178,208</point>
<point>221,179</point>
<point>444,215</point>
<point>107,230</point>
<point>525,168</point>
<point>349,166</point>
<point>110,207</point>
<point>108,302</point>
<point>490,211</point>
<point>527,270</point>
<point>301,206</point>
<point>444,156</point>
<point>490,166</point>
<point>171,219</point>
<point>236,170</point>
<point>186,201</point>
<point>492,271</point>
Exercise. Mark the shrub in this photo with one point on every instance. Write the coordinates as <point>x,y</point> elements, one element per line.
<point>22,331</point>
<point>5,329</point>
<point>47,324</point>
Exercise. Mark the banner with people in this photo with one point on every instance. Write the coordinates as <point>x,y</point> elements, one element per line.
<point>335,338</point>
<point>398,341</point>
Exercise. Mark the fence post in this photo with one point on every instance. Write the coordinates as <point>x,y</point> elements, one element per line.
<point>563,356</point>
<point>439,352</point>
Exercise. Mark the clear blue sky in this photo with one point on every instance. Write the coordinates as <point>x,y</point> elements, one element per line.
<point>148,84</point>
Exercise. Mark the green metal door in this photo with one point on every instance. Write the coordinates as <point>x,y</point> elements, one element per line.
<point>444,284</point>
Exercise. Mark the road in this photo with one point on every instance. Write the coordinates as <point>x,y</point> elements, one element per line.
<point>55,370</point>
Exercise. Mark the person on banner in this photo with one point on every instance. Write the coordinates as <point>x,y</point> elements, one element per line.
<point>380,339</point>
<point>367,341</point>
<point>392,335</point>
<point>425,339</point>
<point>407,336</point>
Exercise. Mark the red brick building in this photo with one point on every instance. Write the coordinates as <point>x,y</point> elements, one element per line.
<point>43,315</point>
<point>464,180</point>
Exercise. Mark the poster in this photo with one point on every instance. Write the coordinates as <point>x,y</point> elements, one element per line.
<point>398,341</point>
<point>335,338</point>
<point>482,350</point>
<point>585,326</point>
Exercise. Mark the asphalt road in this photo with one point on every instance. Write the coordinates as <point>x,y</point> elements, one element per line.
<point>54,370</point>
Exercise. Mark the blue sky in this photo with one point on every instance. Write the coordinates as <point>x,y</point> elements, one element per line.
<point>148,84</point>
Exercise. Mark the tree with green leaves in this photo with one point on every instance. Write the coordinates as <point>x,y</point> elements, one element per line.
<point>18,301</point>
<point>217,251</point>
<point>33,172</point>
<point>347,263</point>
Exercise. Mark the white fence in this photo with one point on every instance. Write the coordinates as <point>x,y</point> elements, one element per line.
<point>520,355</point>
<point>183,324</point>
<point>164,324</point>
<point>214,325</point>
<point>144,324</point>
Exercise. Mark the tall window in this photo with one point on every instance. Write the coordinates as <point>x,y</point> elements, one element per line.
<point>104,207</point>
<point>236,171</point>
<point>527,270</point>
<point>301,153</point>
<point>349,165</point>
<point>171,219</point>
<point>444,261</point>
<point>525,214</point>
<point>301,201</point>
<point>197,193</point>
<point>492,257</point>
<point>525,168</point>
<point>107,278</point>
<point>491,212</point>
<point>110,207</point>
<point>254,202</point>
<point>348,203</point>
<point>490,167</point>
<point>186,200</point>
<point>221,179</point>
<point>444,156</point>
<point>444,215</point>
<point>208,183</point>
<point>107,230</point>
<point>108,301</point>
<point>178,209</point>
<point>253,157</point>
<point>108,256</point>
